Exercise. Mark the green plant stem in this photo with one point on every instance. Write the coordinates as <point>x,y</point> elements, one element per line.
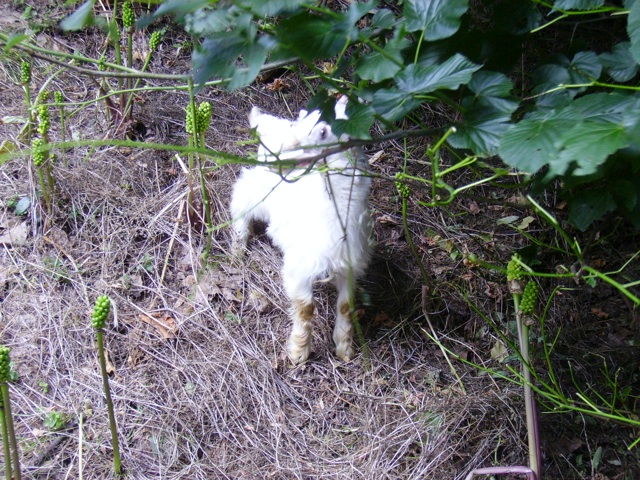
<point>43,183</point>
<point>5,443</point>
<point>107,394</point>
<point>63,135</point>
<point>116,41</point>
<point>11,434</point>
<point>128,109</point>
<point>529,402</point>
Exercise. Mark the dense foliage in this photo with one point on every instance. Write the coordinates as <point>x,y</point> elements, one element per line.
<point>572,114</point>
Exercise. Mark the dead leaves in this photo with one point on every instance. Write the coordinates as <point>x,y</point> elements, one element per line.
<point>165,325</point>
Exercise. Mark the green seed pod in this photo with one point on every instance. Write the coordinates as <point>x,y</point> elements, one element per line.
<point>403,189</point>
<point>38,152</point>
<point>44,122</point>
<point>100,311</point>
<point>58,97</point>
<point>514,268</point>
<point>102,64</point>
<point>154,42</point>
<point>128,17</point>
<point>43,97</point>
<point>529,298</point>
<point>204,116</point>
<point>189,121</point>
<point>25,70</point>
<point>4,364</point>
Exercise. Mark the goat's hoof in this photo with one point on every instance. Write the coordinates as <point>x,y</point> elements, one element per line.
<point>298,354</point>
<point>345,351</point>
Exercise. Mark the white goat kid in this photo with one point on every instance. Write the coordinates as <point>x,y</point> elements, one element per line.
<point>319,219</point>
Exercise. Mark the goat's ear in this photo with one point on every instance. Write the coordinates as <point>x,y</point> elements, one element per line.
<point>254,117</point>
<point>341,108</point>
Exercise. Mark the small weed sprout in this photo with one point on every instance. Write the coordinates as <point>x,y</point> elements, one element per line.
<point>98,319</point>
<point>55,420</point>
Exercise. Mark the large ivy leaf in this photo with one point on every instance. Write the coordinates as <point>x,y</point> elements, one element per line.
<point>220,54</point>
<point>584,133</point>
<point>585,67</point>
<point>588,144</point>
<point>450,74</point>
<point>577,4</point>
<point>605,107</point>
<point>392,104</point>
<point>488,113</point>
<point>633,29</point>
<point>379,66</point>
<point>533,143</point>
<point>620,64</point>
<point>310,36</point>
<point>481,132</point>
<point>438,18</point>
<point>383,18</point>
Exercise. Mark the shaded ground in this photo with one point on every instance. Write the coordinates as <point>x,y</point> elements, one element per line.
<point>201,385</point>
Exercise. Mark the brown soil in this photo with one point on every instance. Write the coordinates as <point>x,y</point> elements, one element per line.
<point>201,385</point>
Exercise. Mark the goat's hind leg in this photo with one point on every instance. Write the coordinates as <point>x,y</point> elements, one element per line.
<point>300,292</point>
<point>343,329</point>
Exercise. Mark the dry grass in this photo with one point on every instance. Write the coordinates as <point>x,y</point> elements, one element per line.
<point>215,397</point>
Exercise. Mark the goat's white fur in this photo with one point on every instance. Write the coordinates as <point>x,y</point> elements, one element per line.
<point>318,219</point>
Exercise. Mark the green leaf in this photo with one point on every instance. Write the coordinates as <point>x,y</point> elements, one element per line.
<point>384,19</point>
<point>392,104</point>
<point>587,206</point>
<point>481,132</point>
<point>533,143</point>
<point>219,54</point>
<point>577,4</point>
<point>361,118</point>
<point>589,144</point>
<point>633,29</point>
<point>438,18</point>
<point>22,206</point>
<point>620,64</point>
<point>82,17</point>
<point>379,66</point>
<point>490,84</point>
<point>15,39</point>
<point>451,74</point>
<point>585,67</point>
<point>311,36</point>
<point>270,8</point>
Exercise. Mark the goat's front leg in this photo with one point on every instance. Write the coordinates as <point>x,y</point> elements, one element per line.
<point>300,292</point>
<point>343,330</point>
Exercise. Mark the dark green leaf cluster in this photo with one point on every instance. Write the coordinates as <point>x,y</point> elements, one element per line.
<point>529,298</point>
<point>4,364</point>
<point>576,117</point>
<point>100,312</point>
